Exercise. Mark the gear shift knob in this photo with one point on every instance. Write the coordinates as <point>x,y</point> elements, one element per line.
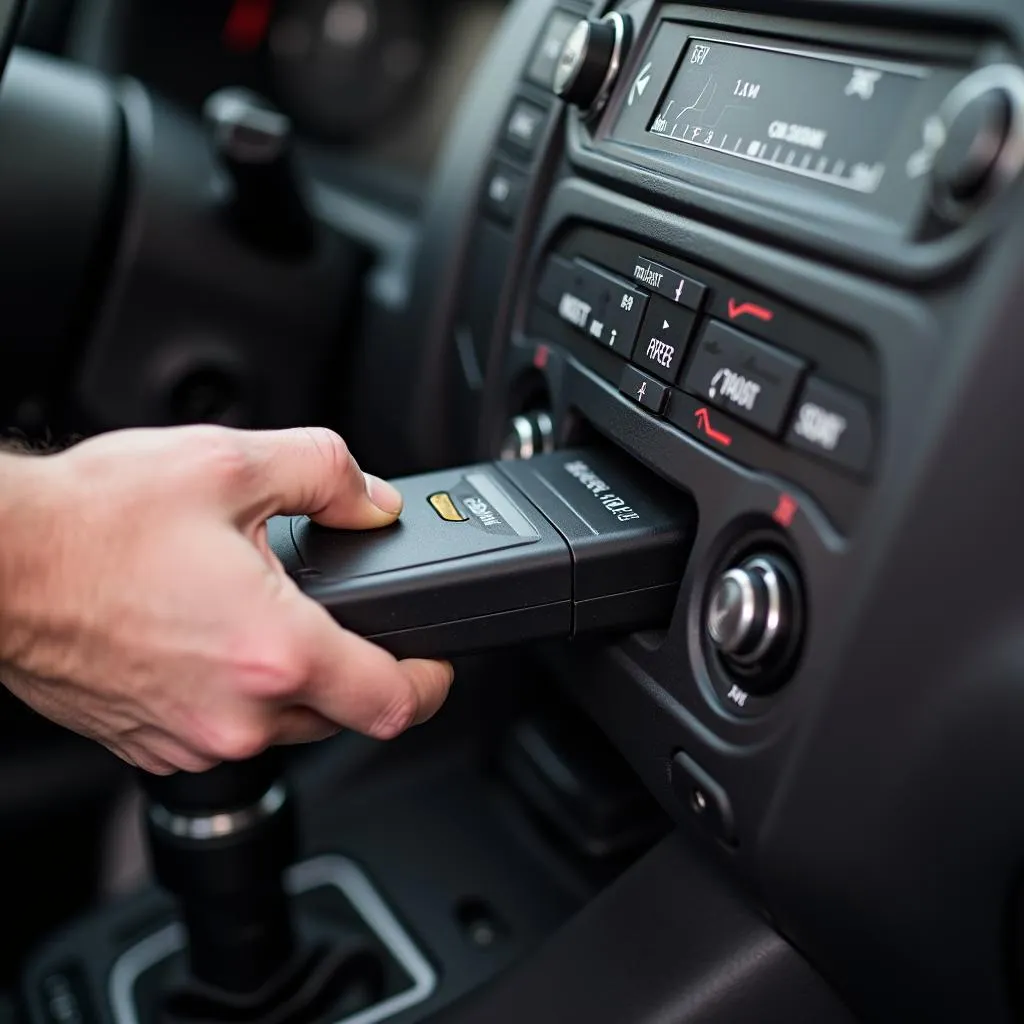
<point>220,842</point>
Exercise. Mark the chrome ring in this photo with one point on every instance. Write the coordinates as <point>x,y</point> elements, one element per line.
<point>226,823</point>
<point>773,618</point>
<point>614,65</point>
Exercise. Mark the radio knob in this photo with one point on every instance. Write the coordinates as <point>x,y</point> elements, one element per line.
<point>751,618</point>
<point>983,148</point>
<point>590,61</point>
<point>528,435</point>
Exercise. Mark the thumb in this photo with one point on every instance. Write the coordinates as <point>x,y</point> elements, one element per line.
<point>310,471</point>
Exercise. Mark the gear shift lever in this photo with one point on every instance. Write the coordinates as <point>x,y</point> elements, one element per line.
<point>221,841</point>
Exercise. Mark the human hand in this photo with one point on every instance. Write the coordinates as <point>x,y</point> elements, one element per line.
<point>141,605</point>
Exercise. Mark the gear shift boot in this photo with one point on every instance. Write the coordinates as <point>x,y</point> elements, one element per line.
<point>253,952</point>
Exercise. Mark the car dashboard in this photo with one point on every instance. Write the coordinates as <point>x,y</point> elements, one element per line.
<point>770,252</point>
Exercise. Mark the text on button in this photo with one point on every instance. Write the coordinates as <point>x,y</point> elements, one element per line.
<point>820,427</point>
<point>735,388</point>
<point>661,352</point>
<point>574,310</point>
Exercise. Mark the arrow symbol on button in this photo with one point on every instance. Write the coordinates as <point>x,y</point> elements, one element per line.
<point>704,424</point>
<point>640,84</point>
<point>665,325</point>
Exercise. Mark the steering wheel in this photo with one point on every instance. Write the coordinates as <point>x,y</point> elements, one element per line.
<point>10,18</point>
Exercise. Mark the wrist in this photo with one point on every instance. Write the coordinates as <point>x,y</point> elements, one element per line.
<point>27,508</point>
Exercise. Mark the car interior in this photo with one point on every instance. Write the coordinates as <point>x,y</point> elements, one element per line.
<point>696,408</point>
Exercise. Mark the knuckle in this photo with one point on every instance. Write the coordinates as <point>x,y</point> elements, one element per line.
<point>275,666</point>
<point>331,447</point>
<point>234,741</point>
<point>227,457</point>
<point>398,716</point>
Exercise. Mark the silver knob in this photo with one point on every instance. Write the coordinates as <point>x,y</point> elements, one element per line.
<point>528,435</point>
<point>749,612</point>
<point>591,60</point>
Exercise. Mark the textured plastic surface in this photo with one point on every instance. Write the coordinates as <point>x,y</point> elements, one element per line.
<point>424,572</point>
<point>530,543</point>
<point>669,941</point>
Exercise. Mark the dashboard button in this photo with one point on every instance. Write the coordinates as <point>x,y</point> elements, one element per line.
<point>670,283</point>
<point>549,49</point>
<point>834,424</point>
<point>743,376</point>
<point>664,335</point>
<point>523,127</point>
<point>555,279</point>
<point>504,190</point>
<point>650,393</point>
<point>618,312</point>
<point>704,797</point>
<point>575,292</point>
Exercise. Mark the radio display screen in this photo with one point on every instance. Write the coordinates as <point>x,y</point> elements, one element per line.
<point>821,117</point>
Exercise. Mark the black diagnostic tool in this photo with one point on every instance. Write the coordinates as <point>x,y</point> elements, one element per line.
<point>490,555</point>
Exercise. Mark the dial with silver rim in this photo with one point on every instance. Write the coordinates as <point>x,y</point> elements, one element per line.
<point>591,59</point>
<point>751,617</point>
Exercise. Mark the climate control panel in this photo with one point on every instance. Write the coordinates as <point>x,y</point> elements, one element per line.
<point>746,373</point>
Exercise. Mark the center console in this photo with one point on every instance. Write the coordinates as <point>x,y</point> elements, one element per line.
<point>771,253</point>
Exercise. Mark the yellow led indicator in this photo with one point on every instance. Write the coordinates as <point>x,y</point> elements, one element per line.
<point>444,506</point>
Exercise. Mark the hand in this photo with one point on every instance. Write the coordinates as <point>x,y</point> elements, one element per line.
<point>140,603</point>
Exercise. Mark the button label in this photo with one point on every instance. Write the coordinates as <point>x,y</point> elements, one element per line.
<point>683,290</point>
<point>623,512</point>
<point>574,310</point>
<point>834,424</point>
<point>661,352</point>
<point>648,275</point>
<point>820,427</point>
<point>703,419</point>
<point>738,309</point>
<point>734,388</point>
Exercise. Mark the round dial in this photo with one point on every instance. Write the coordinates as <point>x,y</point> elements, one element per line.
<point>752,620</point>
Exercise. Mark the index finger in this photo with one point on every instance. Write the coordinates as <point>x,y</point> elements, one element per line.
<point>310,471</point>
<point>356,684</point>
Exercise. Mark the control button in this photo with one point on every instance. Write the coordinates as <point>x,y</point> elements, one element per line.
<point>975,145</point>
<point>444,505</point>
<point>834,424</point>
<point>575,292</point>
<point>504,190</point>
<point>524,126</point>
<point>650,393</point>
<point>555,280</point>
<point>618,311</point>
<point>704,797</point>
<point>545,59</point>
<point>670,283</point>
<point>751,619</point>
<point>663,339</point>
<point>591,60</point>
<point>744,376</point>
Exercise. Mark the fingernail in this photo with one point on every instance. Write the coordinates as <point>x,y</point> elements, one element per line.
<point>383,495</point>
